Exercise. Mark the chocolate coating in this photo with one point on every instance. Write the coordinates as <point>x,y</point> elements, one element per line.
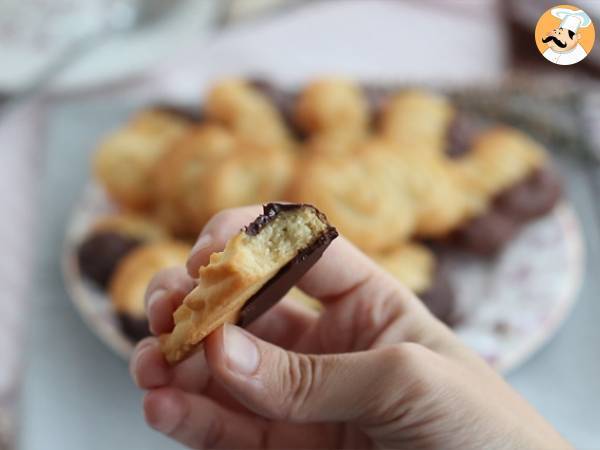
<point>100,253</point>
<point>189,114</point>
<point>270,211</point>
<point>136,328</point>
<point>376,97</point>
<point>487,234</point>
<point>461,134</point>
<point>439,297</point>
<point>288,275</point>
<point>533,197</point>
<point>529,199</point>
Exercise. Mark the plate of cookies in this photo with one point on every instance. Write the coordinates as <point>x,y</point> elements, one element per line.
<point>467,212</point>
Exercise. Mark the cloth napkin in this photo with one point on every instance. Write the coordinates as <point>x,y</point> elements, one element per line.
<point>20,164</point>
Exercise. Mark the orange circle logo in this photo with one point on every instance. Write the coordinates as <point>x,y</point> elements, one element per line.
<point>565,35</point>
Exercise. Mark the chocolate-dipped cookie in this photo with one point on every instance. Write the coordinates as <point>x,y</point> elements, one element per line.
<point>532,197</point>
<point>486,234</point>
<point>111,238</point>
<point>254,271</point>
<point>131,278</point>
<point>99,254</point>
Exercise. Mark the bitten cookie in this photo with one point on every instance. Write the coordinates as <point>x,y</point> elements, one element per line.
<point>257,267</point>
<point>131,278</point>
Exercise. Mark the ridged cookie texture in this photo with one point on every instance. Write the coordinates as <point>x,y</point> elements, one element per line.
<point>258,266</point>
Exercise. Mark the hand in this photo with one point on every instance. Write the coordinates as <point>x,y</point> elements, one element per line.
<point>375,369</point>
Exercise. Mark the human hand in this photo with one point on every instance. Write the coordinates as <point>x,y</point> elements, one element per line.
<point>375,369</point>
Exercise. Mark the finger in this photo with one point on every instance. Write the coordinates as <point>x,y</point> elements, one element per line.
<point>164,294</point>
<point>282,325</point>
<point>284,385</point>
<point>285,323</point>
<point>199,422</point>
<point>219,229</point>
<point>341,269</point>
<point>357,294</point>
<point>148,367</point>
<point>150,370</point>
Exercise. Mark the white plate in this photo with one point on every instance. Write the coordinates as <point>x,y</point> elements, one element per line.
<point>510,306</point>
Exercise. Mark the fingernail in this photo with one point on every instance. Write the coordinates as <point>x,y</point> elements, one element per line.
<point>166,413</point>
<point>203,242</point>
<point>241,352</point>
<point>135,359</point>
<point>154,297</point>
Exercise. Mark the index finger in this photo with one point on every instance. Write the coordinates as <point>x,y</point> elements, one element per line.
<point>342,268</point>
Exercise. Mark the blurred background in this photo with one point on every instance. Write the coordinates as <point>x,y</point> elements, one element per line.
<point>65,64</point>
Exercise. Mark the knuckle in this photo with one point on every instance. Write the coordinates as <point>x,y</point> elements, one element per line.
<point>409,361</point>
<point>299,384</point>
<point>214,436</point>
<point>157,282</point>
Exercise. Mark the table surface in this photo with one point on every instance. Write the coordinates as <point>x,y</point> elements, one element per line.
<point>77,394</point>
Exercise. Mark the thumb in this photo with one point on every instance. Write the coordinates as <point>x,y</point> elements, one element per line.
<point>284,385</point>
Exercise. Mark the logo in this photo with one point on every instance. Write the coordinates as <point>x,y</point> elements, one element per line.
<point>564,35</point>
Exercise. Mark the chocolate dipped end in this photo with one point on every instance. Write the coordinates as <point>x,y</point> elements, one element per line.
<point>439,296</point>
<point>100,253</point>
<point>188,114</point>
<point>531,198</point>
<point>274,289</point>
<point>534,197</point>
<point>134,327</point>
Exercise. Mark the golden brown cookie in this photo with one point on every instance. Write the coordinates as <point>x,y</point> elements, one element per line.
<point>332,144</point>
<point>125,159</point>
<point>426,184</point>
<point>416,117</point>
<point>133,225</point>
<point>438,191</point>
<point>130,280</point>
<point>247,112</point>
<point>361,195</point>
<point>256,268</point>
<point>411,263</point>
<point>211,169</point>
<point>335,111</point>
<point>499,159</point>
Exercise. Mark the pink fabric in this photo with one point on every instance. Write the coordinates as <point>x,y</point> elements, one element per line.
<point>20,160</point>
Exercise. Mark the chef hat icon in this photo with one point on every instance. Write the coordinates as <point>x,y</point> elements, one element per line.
<point>570,19</point>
